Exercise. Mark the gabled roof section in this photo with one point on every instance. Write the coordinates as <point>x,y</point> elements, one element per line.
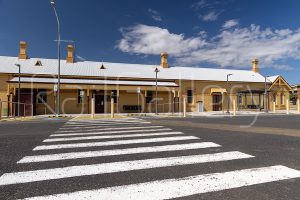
<point>122,70</point>
<point>273,78</point>
<point>279,81</point>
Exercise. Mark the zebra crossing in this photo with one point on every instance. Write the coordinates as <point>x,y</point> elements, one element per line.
<point>81,139</point>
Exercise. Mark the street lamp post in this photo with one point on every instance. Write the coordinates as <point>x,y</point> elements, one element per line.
<point>266,92</point>
<point>156,100</point>
<point>19,88</point>
<point>228,93</point>
<point>58,57</point>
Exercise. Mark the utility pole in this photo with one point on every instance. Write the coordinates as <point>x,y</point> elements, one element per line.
<point>156,100</point>
<point>58,57</point>
<point>228,93</point>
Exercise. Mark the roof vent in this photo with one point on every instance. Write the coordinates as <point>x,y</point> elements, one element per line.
<point>38,63</point>
<point>102,66</point>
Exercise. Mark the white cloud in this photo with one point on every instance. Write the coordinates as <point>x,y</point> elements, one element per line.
<point>204,4</point>
<point>202,34</point>
<point>234,47</point>
<point>211,16</point>
<point>155,15</point>
<point>230,23</point>
<point>142,39</point>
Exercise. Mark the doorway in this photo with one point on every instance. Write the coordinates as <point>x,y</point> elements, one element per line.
<point>99,103</point>
<point>217,102</point>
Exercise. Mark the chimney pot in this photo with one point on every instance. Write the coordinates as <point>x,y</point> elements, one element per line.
<point>164,60</point>
<point>255,66</point>
<point>23,50</point>
<point>70,54</point>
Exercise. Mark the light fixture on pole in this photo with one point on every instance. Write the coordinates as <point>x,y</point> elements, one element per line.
<point>156,100</point>
<point>19,88</point>
<point>266,93</point>
<point>58,57</point>
<point>228,93</point>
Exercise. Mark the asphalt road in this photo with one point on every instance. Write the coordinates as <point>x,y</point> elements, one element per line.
<point>266,148</point>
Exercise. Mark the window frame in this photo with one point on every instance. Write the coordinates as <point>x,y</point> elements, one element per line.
<point>190,97</point>
<point>149,96</point>
<point>114,95</point>
<point>41,99</point>
<point>80,99</point>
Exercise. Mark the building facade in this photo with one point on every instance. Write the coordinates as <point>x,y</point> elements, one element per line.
<point>133,87</point>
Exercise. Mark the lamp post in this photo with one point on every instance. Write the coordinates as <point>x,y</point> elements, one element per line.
<point>19,87</point>
<point>58,57</point>
<point>156,100</point>
<point>266,99</point>
<point>228,93</point>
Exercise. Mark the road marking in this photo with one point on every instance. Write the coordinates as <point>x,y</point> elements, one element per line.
<point>117,142</point>
<point>104,123</point>
<point>109,132</point>
<point>90,154</point>
<point>110,136</point>
<point>106,120</point>
<point>118,128</point>
<point>175,188</point>
<point>101,122</point>
<point>104,168</point>
<point>96,125</point>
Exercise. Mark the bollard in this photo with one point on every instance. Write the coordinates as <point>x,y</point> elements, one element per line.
<point>274,107</point>
<point>287,106</point>
<point>93,108</point>
<point>234,108</point>
<point>184,107</point>
<point>298,106</point>
<point>112,110</point>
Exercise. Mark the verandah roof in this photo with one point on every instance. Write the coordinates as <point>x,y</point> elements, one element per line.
<point>91,82</point>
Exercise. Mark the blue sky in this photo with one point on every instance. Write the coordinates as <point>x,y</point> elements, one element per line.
<point>198,33</point>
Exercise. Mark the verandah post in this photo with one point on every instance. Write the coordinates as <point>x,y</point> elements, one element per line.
<point>93,108</point>
<point>184,107</point>
<point>112,111</point>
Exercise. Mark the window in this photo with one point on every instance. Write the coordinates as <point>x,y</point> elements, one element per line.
<point>42,96</point>
<point>149,96</point>
<point>190,96</point>
<point>114,95</point>
<point>275,98</point>
<point>80,97</point>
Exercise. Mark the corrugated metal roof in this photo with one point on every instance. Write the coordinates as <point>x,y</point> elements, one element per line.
<point>273,78</point>
<point>91,81</point>
<point>122,70</point>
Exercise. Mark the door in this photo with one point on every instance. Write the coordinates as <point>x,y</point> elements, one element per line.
<point>99,103</point>
<point>26,107</point>
<point>217,102</point>
<point>200,107</point>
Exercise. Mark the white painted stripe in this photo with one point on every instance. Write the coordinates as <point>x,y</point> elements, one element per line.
<point>111,143</point>
<point>90,154</point>
<point>104,120</point>
<point>100,123</point>
<point>182,187</point>
<point>110,136</point>
<point>109,132</point>
<point>104,168</point>
<point>118,128</point>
